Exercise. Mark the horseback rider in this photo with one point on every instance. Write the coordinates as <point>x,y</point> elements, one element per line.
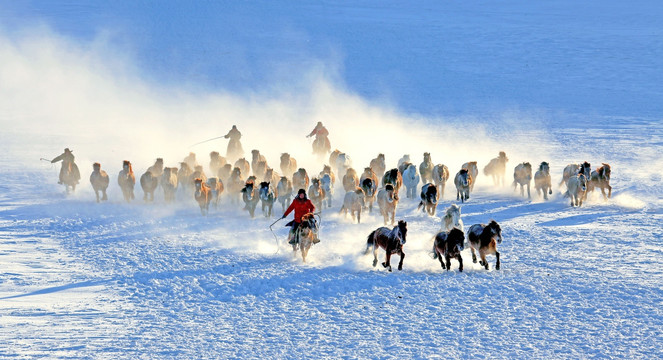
<point>67,158</point>
<point>302,206</point>
<point>235,149</point>
<point>321,136</point>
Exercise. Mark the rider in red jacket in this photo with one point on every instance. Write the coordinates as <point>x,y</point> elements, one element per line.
<point>302,206</point>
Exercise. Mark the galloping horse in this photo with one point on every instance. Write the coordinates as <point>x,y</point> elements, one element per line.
<point>411,181</point>
<point>305,235</point>
<point>250,197</point>
<point>394,178</point>
<point>496,168</point>
<point>350,180</point>
<point>149,183</point>
<point>542,180</point>
<point>449,245</point>
<point>284,191</point>
<point>202,195</point>
<point>429,198</point>
<point>243,165</point>
<point>391,240</point>
<point>216,162</point>
<point>452,218</point>
<point>300,179</point>
<point>484,239</point>
<point>522,175</point>
<point>387,201</point>
<point>378,166</point>
<point>235,185</point>
<point>577,189</point>
<point>169,183</point>
<point>601,178</point>
<point>574,169</point>
<point>440,177</point>
<point>288,164</point>
<point>353,202</point>
<point>426,169</point>
<point>267,198</point>
<point>256,157</point>
<point>316,193</point>
<point>473,170</point>
<point>216,189</point>
<point>327,185</point>
<point>463,182</point>
<point>99,180</point>
<point>127,180</point>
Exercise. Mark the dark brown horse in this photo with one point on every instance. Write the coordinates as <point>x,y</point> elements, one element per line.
<point>484,239</point>
<point>391,240</point>
<point>429,198</point>
<point>394,178</point>
<point>449,244</point>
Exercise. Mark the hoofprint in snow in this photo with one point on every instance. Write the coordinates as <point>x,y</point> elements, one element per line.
<point>81,279</point>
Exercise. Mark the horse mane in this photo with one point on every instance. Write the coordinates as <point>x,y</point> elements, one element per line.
<point>393,173</point>
<point>543,163</point>
<point>128,163</point>
<point>389,187</point>
<point>463,171</point>
<point>264,184</point>
<point>367,182</point>
<point>456,234</point>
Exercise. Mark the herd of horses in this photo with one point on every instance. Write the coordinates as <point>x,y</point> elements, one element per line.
<point>256,182</point>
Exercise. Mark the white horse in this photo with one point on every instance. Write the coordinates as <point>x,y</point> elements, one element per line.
<point>353,202</point>
<point>411,181</point>
<point>328,188</point>
<point>388,201</point>
<point>577,189</point>
<point>574,169</point>
<point>451,219</point>
<point>343,163</point>
<point>542,181</point>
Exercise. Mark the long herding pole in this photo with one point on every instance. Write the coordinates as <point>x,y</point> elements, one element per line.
<point>275,238</point>
<point>202,142</point>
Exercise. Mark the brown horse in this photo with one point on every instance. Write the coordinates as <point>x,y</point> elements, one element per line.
<point>99,180</point>
<point>394,178</point>
<point>601,178</point>
<point>484,239</point>
<point>149,183</point>
<point>378,165</point>
<point>426,169</point>
<point>288,164</point>
<point>391,240</point>
<point>127,180</point>
<point>244,165</point>
<point>256,157</point>
<point>440,177</point>
<point>473,170</point>
<point>388,201</point>
<point>300,179</point>
<point>202,194</point>
<point>449,244</point>
<point>216,162</point>
<point>216,189</point>
<point>350,180</point>
<point>522,175</point>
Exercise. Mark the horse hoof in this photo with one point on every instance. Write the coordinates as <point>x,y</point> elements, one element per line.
<point>375,263</point>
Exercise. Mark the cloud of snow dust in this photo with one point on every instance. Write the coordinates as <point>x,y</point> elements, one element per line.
<point>58,93</point>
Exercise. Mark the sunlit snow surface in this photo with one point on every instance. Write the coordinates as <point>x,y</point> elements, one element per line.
<point>115,280</point>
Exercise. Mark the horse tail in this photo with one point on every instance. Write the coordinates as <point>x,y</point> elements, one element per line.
<point>370,242</point>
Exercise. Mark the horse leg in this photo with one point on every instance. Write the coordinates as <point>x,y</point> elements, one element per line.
<point>104,197</point>
<point>96,193</point>
<point>439,257</point>
<point>448,259</point>
<point>497,262</point>
<point>359,217</point>
<point>457,195</point>
<point>460,262</point>
<point>400,263</point>
<point>483,261</point>
<point>609,190</point>
<point>474,255</point>
<point>387,263</point>
<point>375,253</point>
<point>605,197</point>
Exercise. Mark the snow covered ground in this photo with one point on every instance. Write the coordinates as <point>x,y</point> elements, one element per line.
<point>115,280</point>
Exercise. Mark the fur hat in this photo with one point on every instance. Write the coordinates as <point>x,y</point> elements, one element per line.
<point>301,191</point>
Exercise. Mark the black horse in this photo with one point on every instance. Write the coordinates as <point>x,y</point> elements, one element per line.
<point>391,240</point>
<point>449,244</point>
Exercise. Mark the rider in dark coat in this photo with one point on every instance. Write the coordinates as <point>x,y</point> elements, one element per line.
<point>302,206</point>
<point>235,150</point>
<point>67,158</point>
